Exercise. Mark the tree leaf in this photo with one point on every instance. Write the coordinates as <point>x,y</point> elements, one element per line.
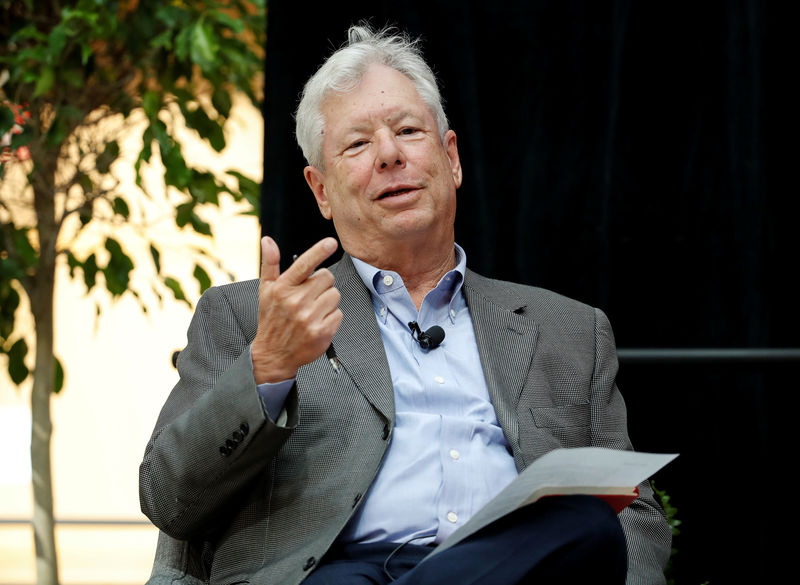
<point>107,157</point>
<point>86,52</point>
<point>90,271</point>
<point>221,100</point>
<point>6,119</point>
<point>147,147</point>
<point>29,32</point>
<point>171,15</point>
<point>45,81</point>
<point>202,278</point>
<point>204,45</point>
<point>176,289</point>
<point>151,102</point>
<point>200,226</point>
<point>73,263</point>
<point>156,255</point>
<point>210,130</point>
<point>163,40</point>
<point>85,182</point>
<point>25,250</point>
<point>183,213</point>
<point>58,375</point>
<point>17,370</point>
<point>226,20</point>
<point>249,189</point>
<point>183,43</point>
<point>57,40</point>
<point>85,213</point>
<point>205,188</point>
<point>9,301</point>
<point>117,271</point>
<point>121,207</point>
<point>176,172</point>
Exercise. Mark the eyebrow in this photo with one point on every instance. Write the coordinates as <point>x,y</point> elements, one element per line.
<point>394,118</point>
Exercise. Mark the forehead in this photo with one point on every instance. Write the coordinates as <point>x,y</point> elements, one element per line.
<point>382,94</point>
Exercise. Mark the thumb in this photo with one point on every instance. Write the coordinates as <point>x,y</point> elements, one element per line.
<point>270,260</point>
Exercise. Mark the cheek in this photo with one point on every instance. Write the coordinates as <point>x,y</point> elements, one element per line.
<point>353,179</point>
<point>345,204</point>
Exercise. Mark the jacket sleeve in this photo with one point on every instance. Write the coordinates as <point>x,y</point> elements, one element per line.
<point>213,435</point>
<point>647,533</point>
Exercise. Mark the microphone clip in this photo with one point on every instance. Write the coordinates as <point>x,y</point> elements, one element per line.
<point>429,339</point>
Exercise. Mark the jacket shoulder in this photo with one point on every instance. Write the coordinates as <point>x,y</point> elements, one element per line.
<point>535,302</point>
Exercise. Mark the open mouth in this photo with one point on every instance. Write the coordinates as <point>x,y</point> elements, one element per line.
<point>395,192</point>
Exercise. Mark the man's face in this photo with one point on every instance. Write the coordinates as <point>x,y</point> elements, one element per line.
<point>388,178</point>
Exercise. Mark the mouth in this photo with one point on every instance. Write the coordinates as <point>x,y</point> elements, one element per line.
<point>395,192</point>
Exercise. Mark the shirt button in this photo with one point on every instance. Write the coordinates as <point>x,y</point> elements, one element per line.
<point>452,517</point>
<point>382,311</point>
<point>388,280</point>
<point>454,454</point>
<point>439,379</point>
<point>452,313</point>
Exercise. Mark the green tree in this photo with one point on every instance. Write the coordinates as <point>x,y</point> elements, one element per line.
<point>75,78</point>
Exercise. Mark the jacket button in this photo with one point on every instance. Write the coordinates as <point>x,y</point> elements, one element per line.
<point>244,427</point>
<point>238,436</point>
<point>225,450</point>
<point>309,563</point>
<point>385,433</point>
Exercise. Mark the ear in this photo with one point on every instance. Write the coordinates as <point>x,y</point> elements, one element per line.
<point>316,181</point>
<point>451,148</point>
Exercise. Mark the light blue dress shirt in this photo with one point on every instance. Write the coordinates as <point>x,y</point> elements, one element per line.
<point>448,454</point>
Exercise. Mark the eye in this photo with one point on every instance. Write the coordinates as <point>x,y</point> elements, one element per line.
<point>356,145</point>
<point>408,131</point>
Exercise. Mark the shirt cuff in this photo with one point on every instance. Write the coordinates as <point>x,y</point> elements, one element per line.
<point>273,394</point>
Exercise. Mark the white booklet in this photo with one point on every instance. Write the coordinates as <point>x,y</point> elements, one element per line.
<point>610,474</point>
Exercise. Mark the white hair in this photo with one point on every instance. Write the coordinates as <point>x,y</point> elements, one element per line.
<point>343,71</point>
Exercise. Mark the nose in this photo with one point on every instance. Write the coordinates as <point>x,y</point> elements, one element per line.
<point>389,153</point>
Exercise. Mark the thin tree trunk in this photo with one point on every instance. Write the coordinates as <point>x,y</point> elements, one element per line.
<point>41,294</point>
<point>41,432</point>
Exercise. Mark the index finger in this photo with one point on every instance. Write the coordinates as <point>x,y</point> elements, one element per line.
<point>308,261</point>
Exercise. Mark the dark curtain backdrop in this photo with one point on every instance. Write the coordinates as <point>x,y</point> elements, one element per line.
<point>631,155</point>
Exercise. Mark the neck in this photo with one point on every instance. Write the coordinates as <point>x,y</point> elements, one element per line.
<point>421,267</point>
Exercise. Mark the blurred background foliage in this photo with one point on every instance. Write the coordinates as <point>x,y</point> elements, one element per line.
<point>76,79</point>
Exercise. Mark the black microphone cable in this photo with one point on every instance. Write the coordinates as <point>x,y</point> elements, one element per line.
<point>397,550</point>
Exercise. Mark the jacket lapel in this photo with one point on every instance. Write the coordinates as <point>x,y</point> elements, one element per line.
<point>358,341</point>
<point>506,342</point>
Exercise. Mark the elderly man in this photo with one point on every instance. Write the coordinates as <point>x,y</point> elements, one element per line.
<point>333,425</point>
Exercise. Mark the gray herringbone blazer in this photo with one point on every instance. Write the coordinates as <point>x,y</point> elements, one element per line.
<point>240,498</point>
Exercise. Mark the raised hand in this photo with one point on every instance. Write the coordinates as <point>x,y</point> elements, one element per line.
<point>298,311</point>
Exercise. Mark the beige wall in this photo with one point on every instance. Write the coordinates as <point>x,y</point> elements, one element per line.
<point>118,373</point>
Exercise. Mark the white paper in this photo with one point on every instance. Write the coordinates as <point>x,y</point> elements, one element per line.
<point>559,471</point>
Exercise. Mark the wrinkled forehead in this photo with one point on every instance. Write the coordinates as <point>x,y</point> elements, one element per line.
<point>379,92</point>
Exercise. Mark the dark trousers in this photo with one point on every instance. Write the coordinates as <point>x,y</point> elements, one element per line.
<point>565,540</point>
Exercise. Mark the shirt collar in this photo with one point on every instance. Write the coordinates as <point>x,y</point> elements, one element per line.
<point>379,282</point>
